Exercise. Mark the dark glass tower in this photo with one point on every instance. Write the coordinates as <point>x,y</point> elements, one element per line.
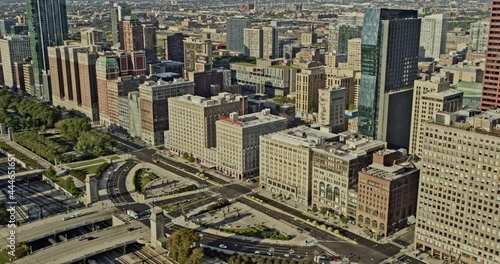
<point>235,27</point>
<point>48,26</point>
<point>389,67</point>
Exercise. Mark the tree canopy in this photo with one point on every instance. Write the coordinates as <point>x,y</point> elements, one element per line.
<point>183,247</point>
<point>91,142</point>
<point>72,128</point>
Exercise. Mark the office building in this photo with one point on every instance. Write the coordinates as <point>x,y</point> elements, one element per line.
<point>310,37</point>
<point>119,11</point>
<point>457,40</point>
<point>457,213</point>
<point>335,168</point>
<point>333,60</point>
<point>491,84</point>
<point>192,120</point>
<point>29,79</point>
<point>355,19</point>
<point>387,194</point>
<point>117,90</point>
<point>456,74</point>
<point>13,49</point>
<point>331,108</point>
<point>430,97</point>
<point>472,93</point>
<point>286,161</point>
<point>433,35</point>
<point>174,47</point>
<point>238,141</point>
<point>353,54</point>
<point>265,77</point>
<point>235,27</point>
<point>252,38</point>
<point>154,107</point>
<point>389,67</point>
<point>479,36</point>
<point>48,27</point>
<point>309,81</point>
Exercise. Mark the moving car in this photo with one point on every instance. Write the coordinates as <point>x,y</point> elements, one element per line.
<point>222,246</point>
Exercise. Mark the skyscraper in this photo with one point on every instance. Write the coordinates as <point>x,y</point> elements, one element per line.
<point>491,83</point>
<point>235,26</point>
<point>389,67</point>
<point>270,47</point>
<point>120,10</point>
<point>433,35</point>
<point>174,47</point>
<point>48,26</point>
<point>479,35</point>
<point>253,42</point>
<point>131,34</point>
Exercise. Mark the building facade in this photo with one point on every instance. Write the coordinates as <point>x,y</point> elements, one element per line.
<point>457,213</point>
<point>235,27</point>
<point>433,35</point>
<point>238,141</point>
<point>389,35</point>
<point>479,36</point>
<point>309,81</point>
<point>252,38</point>
<point>192,120</point>
<point>154,107</point>
<point>430,97</point>
<point>174,47</point>
<point>13,49</point>
<point>331,108</point>
<point>491,84</point>
<point>387,194</point>
<point>48,27</point>
<point>119,11</point>
<point>286,162</point>
<point>335,172</point>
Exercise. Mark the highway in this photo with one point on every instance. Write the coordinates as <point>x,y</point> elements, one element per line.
<point>74,250</point>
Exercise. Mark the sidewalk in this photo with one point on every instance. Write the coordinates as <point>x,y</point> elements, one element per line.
<point>168,155</point>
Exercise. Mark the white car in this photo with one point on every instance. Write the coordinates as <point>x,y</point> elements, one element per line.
<point>257,252</point>
<point>286,255</point>
<point>222,246</point>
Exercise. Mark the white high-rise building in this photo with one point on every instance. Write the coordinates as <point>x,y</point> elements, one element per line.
<point>252,38</point>
<point>479,35</point>
<point>433,35</point>
<point>13,49</point>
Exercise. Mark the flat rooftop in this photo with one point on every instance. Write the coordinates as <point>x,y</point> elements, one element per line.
<point>221,98</point>
<point>351,149</point>
<point>390,173</point>
<point>254,119</point>
<point>303,136</point>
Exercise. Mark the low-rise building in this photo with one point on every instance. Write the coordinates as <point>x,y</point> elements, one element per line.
<point>335,168</point>
<point>387,194</point>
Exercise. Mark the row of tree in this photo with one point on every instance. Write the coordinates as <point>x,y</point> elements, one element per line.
<point>88,142</point>
<point>21,112</point>
<point>39,144</point>
<point>183,247</point>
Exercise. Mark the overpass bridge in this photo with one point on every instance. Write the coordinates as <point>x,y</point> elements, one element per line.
<point>53,225</point>
<point>80,250</point>
<point>23,174</point>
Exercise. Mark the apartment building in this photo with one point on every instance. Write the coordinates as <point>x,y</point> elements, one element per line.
<point>192,120</point>
<point>335,168</point>
<point>286,161</point>
<point>387,194</point>
<point>458,216</point>
<point>238,141</point>
<point>309,81</point>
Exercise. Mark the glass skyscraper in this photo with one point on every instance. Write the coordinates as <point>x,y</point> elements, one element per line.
<point>389,67</point>
<point>48,26</point>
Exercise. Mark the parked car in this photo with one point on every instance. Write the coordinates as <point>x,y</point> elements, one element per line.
<point>223,246</point>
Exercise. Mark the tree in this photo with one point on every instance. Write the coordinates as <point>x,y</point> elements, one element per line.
<point>72,128</point>
<point>185,155</point>
<point>191,158</point>
<point>70,186</point>
<point>182,244</point>
<point>91,142</point>
<point>50,173</point>
<point>323,210</point>
<point>315,208</point>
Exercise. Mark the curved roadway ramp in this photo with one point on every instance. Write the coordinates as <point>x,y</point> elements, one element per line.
<point>78,250</point>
